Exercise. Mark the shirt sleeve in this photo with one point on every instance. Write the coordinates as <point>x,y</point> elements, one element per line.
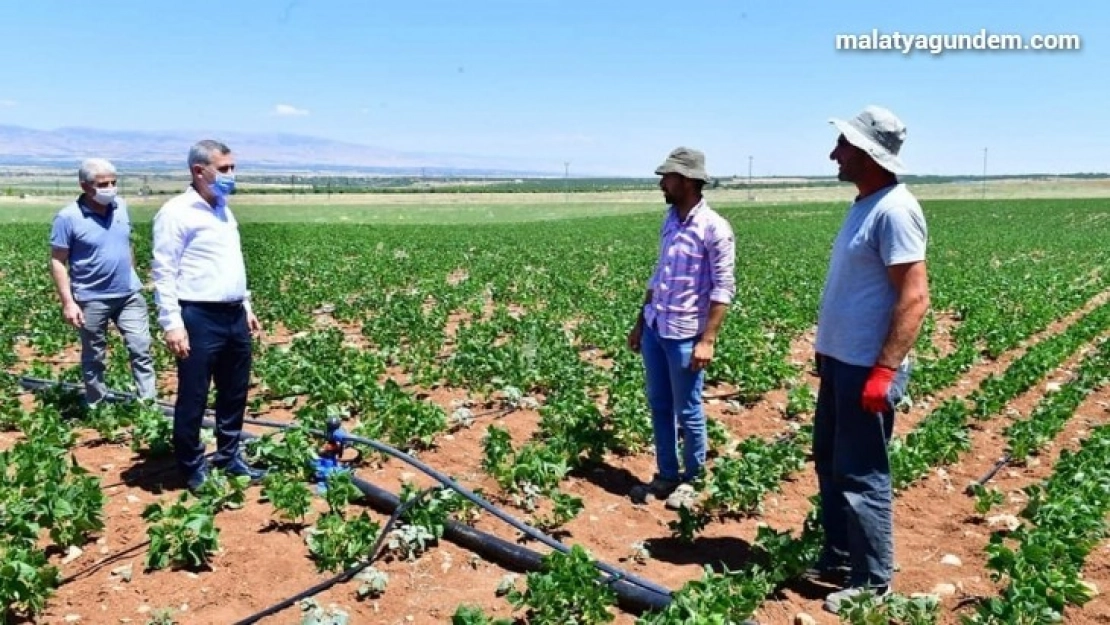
<point>168,243</point>
<point>653,281</point>
<point>60,232</point>
<point>902,236</point>
<point>721,245</point>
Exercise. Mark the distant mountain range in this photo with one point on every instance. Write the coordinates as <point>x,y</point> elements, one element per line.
<point>64,147</point>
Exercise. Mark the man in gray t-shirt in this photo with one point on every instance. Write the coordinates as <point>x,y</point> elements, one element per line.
<point>92,265</point>
<point>875,297</point>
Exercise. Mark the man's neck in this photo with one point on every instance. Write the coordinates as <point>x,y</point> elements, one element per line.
<point>96,207</point>
<point>207,195</point>
<point>869,187</point>
<point>682,209</point>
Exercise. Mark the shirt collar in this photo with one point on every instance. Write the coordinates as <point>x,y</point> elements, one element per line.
<point>83,204</point>
<point>197,197</point>
<point>689,216</point>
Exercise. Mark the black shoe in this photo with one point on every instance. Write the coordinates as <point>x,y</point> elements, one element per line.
<point>831,568</point>
<point>238,467</point>
<point>196,478</point>
<point>835,574</point>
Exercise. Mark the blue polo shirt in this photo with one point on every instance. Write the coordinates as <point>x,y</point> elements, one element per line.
<point>99,250</point>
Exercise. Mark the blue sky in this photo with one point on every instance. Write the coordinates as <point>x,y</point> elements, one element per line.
<point>610,87</point>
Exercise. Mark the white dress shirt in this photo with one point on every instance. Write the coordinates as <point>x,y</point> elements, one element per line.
<point>197,257</point>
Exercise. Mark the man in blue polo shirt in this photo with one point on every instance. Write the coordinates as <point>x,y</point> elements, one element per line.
<point>92,264</point>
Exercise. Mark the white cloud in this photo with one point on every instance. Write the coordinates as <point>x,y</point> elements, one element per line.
<point>8,103</point>
<point>288,110</point>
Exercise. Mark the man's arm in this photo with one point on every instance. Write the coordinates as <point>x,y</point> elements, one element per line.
<point>722,258</point>
<point>59,259</point>
<point>638,328</point>
<point>168,244</point>
<point>717,312</point>
<point>911,281</point>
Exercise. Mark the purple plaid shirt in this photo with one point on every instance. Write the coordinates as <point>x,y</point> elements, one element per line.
<point>696,262</point>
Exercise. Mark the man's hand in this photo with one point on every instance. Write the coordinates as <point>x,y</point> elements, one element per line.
<point>635,336</point>
<point>253,323</point>
<point>876,388</point>
<point>73,315</point>
<point>178,342</point>
<point>702,356</point>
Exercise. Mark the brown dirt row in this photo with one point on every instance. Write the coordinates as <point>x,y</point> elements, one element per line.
<point>258,567</point>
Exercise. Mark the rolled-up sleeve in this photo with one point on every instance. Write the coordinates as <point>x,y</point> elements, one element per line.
<point>168,243</point>
<point>721,245</point>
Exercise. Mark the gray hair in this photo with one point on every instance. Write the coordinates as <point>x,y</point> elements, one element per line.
<point>94,167</point>
<point>201,153</point>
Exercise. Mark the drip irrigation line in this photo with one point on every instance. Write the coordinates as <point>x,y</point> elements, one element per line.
<point>1003,461</point>
<point>92,568</point>
<point>346,575</point>
<point>634,593</point>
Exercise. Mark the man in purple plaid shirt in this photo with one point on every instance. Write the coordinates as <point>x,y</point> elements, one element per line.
<point>687,297</point>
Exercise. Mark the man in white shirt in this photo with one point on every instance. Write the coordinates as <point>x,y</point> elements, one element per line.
<point>200,288</point>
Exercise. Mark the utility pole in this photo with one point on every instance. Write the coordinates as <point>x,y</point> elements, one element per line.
<point>566,181</point>
<point>750,190</point>
<point>984,173</point>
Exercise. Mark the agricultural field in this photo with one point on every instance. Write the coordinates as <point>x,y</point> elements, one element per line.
<point>494,353</point>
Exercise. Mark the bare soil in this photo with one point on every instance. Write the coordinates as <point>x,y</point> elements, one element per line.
<point>259,565</point>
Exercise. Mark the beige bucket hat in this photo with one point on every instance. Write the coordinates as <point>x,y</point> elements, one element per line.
<point>878,132</point>
<point>685,161</point>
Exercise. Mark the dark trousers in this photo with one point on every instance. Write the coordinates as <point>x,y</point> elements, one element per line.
<point>219,352</point>
<point>853,471</point>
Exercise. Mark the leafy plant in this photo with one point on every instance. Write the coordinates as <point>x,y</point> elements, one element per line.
<point>180,534</point>
<point>473,615</point>
<point>292,500</point>
<point>337,543</point>
<point>27,581</point>
<point>566,591</point>
<point>986,498</point>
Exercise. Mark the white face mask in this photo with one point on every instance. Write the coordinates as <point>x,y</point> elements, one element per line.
<point>106,196</point>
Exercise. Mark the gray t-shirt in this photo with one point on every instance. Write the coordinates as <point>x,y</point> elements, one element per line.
<point>883,229</point>
<point>99,251</point>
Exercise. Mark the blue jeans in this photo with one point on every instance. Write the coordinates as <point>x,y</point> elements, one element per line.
<point>129,313</point>
<point>219,352</point>
<point>674,396</point>
<point>853,471</point>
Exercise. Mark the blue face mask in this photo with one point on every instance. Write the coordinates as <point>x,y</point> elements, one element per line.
<point>223,185</point>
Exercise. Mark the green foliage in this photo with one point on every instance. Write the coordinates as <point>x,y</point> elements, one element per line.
<point>337,543</point>
<point>291,498</point>
<point>473,615</point>
<point>180,535</point>
<point>986,498</point>
<point>866,609</point>
<point>566,592</point>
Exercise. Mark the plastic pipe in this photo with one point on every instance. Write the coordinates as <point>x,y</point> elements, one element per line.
<point>633,593</point>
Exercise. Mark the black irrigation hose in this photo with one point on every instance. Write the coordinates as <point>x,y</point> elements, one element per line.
<point>1003,461</point>
<point>346,575</point>
<point>92,568</point>
<point>634,593</point>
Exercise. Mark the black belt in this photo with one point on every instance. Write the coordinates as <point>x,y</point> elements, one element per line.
<point>235,305</point>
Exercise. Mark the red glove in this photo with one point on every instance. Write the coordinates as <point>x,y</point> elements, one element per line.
<point>876,387</point>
